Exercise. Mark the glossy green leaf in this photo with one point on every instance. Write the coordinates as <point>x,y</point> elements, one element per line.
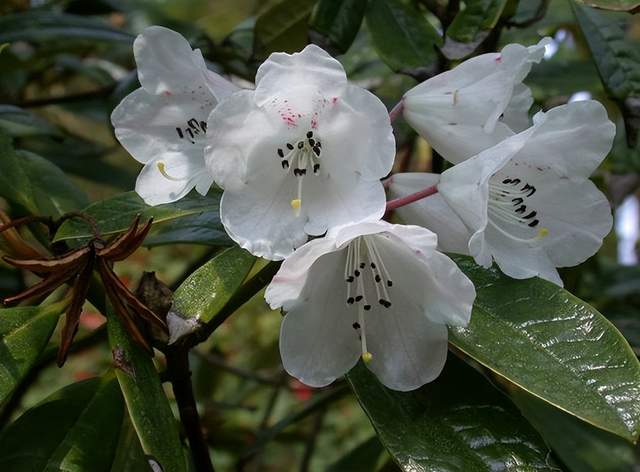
<point>282,27</point>
<point>17,122</point>
<point>363,458</point>
<point>337,23</point>
<point>129,456</point>
<point>403,37</point>
<point>580,446</point>
<point>35,184</point>
<point>75,430</point>
<point>115,214</point>
<point>147,404</point>
<point>553,345</point>
<point>203,294</point>
<point>203,228</point>
<point>617,57</point>
<point>458,423</point>
<point>42,26</point>
<point>471,26</point>
<point>620,5</point>
<point>24,333</point>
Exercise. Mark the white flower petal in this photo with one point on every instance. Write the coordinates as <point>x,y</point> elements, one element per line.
<point>167,64</point>
<point>424,277</point>
<point>149,126</point>
<point>432,212</point>
<point>317,342</point>
<point>310,68</point>
<point>408,350</point>
<point>185,172</point>
<point>286,286</point>
<point>260,219</point>
<point>573,138</point>
<point>465,103</point>
<point>516,115</point>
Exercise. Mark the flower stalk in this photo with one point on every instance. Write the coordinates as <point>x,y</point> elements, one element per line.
<point>414,197</point>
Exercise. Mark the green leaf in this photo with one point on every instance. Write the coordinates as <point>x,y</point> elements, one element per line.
<point>147,404</point>
<point>471,26</point>
<point>616,57</point>
<point>24,333</point>
<point>194,229</point>
<point>621,5</point>
<point>579,445</point>
<point>36,184</point>
<point>457,423</point>
<point>363,458</point>
<point>403,37</point>
<point>203,294</point>
<point>17,122</point>
<point>553,345</point>
<point>129,456</point>
<point>44,26</point>
<point>282,27</point>
<point>337,22</point>
<point>75,429</point>
<point>115,214</point>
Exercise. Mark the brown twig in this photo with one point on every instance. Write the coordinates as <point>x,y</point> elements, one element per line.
<point>180,377</point>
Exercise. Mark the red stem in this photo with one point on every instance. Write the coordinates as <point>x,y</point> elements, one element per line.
<point>396,110</point>
<point>413,197</point>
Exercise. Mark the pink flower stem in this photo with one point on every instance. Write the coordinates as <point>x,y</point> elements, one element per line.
<point>414,197</point>
<point>396,110</point>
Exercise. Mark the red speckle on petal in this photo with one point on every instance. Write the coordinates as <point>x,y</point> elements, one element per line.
<point>499,59</point>
<point>334,100</point>
<point>167,93</point>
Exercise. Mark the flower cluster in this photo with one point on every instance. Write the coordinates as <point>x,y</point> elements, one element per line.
<point>300,159</point>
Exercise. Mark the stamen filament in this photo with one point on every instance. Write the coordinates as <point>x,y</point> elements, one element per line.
<point>163,170</point>
<point>366,355</point>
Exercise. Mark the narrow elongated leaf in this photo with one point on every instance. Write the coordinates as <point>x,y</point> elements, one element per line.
<point>43,26</point>
<point>204,293</point>
<point>540,337</point>
<point>471,26</point>
<point>620,5</point>
<point>115,214</point>
<point>616,57</point>
<point>147,404</point>
<point>24,333</point>
<point>337,23</point>
<point>282,27</point>
<point>17,122</point>
<point>403,37</point>
<point>36,184</point>
<point>129,456</point>
<point>580,446</point>
<point>457,423</point>
<point>75,429</point>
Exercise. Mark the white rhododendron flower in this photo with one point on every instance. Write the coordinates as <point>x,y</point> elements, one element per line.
<point>302,153</point>
<point>375,290</point>
<point>163,123</point>
<point>475,105</point>
<point>527,202</point>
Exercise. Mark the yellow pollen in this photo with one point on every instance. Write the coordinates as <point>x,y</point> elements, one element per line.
<point>367,357</point>
<point>163,170</point>
<point>295,203</point>
<point>543,232</point>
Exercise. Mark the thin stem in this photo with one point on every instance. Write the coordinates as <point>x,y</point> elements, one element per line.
<point>180,378</point>
<point>396,111</point>
<point>413,197</point>
<point>219,362</point>
<point>312,440</point>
